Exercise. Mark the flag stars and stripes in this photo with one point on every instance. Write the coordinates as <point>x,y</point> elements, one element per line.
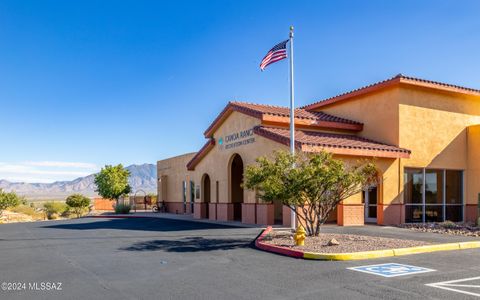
<point>278,52</point>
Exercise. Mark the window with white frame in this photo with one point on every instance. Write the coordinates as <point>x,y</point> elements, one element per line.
<point>433,195</point>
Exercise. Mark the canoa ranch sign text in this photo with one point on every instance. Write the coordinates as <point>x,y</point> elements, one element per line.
<point>237,139</point>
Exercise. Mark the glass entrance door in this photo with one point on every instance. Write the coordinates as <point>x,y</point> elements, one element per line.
<point>370,198</point>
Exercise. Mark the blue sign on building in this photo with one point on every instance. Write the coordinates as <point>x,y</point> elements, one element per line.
<point>391,269</point>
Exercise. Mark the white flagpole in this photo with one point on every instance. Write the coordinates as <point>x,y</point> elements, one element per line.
<point>293,216</point>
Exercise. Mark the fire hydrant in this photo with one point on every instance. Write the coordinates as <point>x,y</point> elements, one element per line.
<point>299,236</point>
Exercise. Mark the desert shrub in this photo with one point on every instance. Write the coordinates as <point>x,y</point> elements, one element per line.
<point>27,210</point>
<point>54,209</point>
<point>448,224</point>
<point>312,185</point>
<point>122,208</point>
<point>8,200</point>
<point>78,203</point>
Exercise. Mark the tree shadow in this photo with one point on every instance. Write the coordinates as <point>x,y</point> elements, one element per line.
<point>190,244</point>
<point>140,224</point>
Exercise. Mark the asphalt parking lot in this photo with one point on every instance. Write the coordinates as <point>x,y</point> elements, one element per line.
<point>175,259</point>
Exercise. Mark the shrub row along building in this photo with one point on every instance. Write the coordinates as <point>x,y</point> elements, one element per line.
<point>424,137</point>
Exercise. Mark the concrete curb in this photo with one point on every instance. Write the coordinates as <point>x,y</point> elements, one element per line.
<point>361,255</point>
<point>276,249</point>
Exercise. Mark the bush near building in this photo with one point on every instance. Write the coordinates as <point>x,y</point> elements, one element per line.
<point>312,185</point>
<point>122,208</point>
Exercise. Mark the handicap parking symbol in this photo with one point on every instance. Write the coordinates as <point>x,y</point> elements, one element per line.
<point>391,269</point>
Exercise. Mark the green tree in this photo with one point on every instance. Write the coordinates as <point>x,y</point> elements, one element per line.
<point>112,182</point>
<point>312,185</point>
<point>78,203</point>
<point>8,200</point>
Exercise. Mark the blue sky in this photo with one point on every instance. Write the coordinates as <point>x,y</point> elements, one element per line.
<point>86,83</point>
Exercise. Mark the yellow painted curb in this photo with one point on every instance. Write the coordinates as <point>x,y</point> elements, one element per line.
<point>349,256</point>
<point>426,249</point>
<point>391,252</point>
<point>469,245</point>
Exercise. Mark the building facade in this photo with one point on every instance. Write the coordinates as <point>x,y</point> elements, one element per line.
<point>424,137</point>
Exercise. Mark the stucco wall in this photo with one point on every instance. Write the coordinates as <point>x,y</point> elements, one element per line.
<point>434,126</point>
<point>216,162</point>
<point>473,171</point>
<point>377,111</point>
<point>174,170</point>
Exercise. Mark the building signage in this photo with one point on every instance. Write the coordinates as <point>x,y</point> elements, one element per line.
<point>237,139</point>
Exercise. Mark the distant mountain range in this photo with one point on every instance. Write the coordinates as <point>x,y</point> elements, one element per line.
<point>142,177</point>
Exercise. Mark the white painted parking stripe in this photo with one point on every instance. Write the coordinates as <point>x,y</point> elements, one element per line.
<point>452,285</point>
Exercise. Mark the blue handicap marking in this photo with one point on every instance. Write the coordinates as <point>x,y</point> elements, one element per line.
<point>391,269</point>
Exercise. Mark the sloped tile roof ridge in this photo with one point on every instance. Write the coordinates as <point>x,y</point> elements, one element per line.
<point>303,113</point>
<point>397,78</point>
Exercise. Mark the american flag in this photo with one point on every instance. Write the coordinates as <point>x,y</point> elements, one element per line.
<point>278,52</point>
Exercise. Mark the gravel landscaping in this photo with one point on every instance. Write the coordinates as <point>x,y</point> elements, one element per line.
<point>464,229</point>
<point>347,243</point>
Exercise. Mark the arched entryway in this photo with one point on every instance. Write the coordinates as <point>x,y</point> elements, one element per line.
<point>236,190</point>
<point>205,195</point>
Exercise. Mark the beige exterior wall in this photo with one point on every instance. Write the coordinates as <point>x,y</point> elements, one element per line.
<point>377,111</point>
<point>173,172</point>
<point>438,127</point>
<point>434,126</point>
<point>473,171</point>
<point>216,163</point>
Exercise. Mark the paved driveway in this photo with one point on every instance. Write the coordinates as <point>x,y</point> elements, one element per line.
<point>175,259</point>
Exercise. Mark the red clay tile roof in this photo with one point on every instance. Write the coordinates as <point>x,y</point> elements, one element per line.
<point>260,111</point>
<point>310,141</point>
<point>399,79</point>
<point>285,112</point>
<point>200,154</point>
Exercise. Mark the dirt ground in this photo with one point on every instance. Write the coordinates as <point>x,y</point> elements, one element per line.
<point>346,242</point>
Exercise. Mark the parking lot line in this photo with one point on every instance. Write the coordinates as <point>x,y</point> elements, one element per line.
<point>452,285</point>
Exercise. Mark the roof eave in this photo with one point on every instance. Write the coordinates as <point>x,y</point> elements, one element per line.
<point>356,151</point>
<point>276,120</point>
<point>397,80</point>
<point>200,154</point>
<point>355,93</point>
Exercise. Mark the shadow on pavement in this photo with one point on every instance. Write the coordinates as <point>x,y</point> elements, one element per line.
<point>141,224</point>
<point>190,244</point>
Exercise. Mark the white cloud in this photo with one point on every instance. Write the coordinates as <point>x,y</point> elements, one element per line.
<point>61,164</point>
<point>45,171</point>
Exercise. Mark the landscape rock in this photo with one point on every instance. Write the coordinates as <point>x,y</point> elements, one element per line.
<point>333,242</point>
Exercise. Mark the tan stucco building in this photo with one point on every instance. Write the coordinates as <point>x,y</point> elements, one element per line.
<point>423,135</point>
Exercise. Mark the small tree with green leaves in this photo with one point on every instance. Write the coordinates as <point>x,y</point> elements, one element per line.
<point>312,185</point>
<point>112,182</point>
<point>8,200</point>
<point>78,203</point>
